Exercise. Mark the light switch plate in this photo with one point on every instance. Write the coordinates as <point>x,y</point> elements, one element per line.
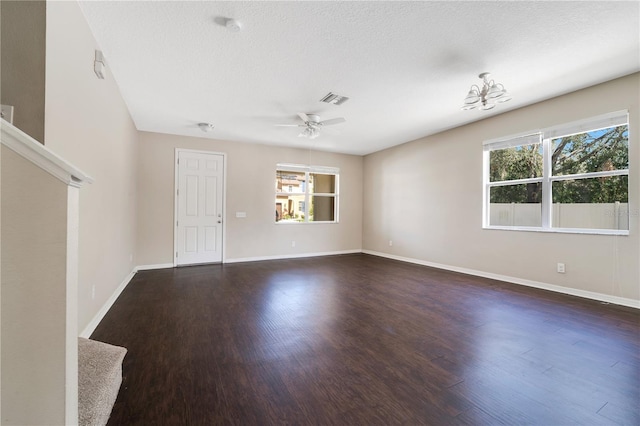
<point>7,113</point>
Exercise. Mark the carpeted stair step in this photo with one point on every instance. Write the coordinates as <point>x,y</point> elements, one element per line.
<point>99,379</point>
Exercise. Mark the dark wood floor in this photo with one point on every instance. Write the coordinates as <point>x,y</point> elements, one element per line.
<point>361,340</point>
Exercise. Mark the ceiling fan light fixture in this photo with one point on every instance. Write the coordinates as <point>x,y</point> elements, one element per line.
<point>312,124</point>
<point>309,132</point>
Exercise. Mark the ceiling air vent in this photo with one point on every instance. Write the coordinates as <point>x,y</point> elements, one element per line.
<point>332,98</point>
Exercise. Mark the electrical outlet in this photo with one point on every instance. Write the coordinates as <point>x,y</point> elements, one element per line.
<point>561,268</point>
<point>293,243</point>
<point>93,292</point>
<point>390,243</point>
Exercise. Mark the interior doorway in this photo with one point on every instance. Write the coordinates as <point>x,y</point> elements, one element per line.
<point>199,207</point>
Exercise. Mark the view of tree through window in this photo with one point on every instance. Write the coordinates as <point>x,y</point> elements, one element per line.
<point>596,151</point>
<point>520,162</point>
<point>588,169</point>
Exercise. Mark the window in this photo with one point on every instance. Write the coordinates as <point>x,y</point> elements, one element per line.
<point>570,178</point>
<point>306,194</point>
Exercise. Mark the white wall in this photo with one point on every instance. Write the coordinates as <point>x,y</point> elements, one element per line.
<point>251,189</point>
<point>88,124</point>
<point>406,187</point>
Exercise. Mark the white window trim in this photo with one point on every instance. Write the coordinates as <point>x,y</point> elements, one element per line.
<point>545,136</point>
<point>325,170</point>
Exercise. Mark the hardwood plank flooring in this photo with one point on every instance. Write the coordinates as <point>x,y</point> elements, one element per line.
<point>362,340</point>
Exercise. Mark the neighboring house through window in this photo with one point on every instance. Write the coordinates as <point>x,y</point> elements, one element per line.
<point>306,194</point>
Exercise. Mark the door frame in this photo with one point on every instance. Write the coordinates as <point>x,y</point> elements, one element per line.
<point>175,199</point>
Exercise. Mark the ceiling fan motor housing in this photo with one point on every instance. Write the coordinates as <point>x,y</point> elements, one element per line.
<point>313,118</point>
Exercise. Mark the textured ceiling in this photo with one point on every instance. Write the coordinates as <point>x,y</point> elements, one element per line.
<point>406,66</point>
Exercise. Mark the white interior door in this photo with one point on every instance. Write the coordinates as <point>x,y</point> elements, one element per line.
<point>200,186</point>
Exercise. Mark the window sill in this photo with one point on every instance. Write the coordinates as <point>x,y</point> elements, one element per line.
<point>561,230</point>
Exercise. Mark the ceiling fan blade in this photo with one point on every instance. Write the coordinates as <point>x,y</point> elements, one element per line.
<point>332,121</point>
<point>304,117</point>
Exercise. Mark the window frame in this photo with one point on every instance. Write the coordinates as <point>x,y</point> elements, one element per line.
<point>545,137</point>
<point>308,195</point>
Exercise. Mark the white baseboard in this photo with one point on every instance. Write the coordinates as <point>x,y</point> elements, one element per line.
<point>529,283</point>
<point>89,329</point>
<point>290,256</point>
<point>156,266</point>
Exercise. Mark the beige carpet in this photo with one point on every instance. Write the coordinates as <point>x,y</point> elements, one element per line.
<point>99,379</point>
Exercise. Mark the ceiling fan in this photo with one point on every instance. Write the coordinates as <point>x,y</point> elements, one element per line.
<point>312,124</point>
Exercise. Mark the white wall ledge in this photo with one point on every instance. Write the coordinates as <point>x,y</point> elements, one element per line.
<point>32,150</point>
<point>35,202</point>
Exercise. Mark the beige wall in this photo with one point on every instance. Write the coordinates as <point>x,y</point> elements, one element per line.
<point>88,124</point>
<point>1,284</point>
<point>34,300</point>
<point>128,211</point>
<point>250,188</point>
<point>406,187</point>
<point>22,59</point>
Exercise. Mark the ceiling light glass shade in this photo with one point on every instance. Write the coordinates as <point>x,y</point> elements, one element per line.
<point>305,133</point>
<point>472,97</point>
<point>487,106</point>
<point>468,107</point>
<point>309,132</point>
<point>504,98</point>
<point>494,91</point>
